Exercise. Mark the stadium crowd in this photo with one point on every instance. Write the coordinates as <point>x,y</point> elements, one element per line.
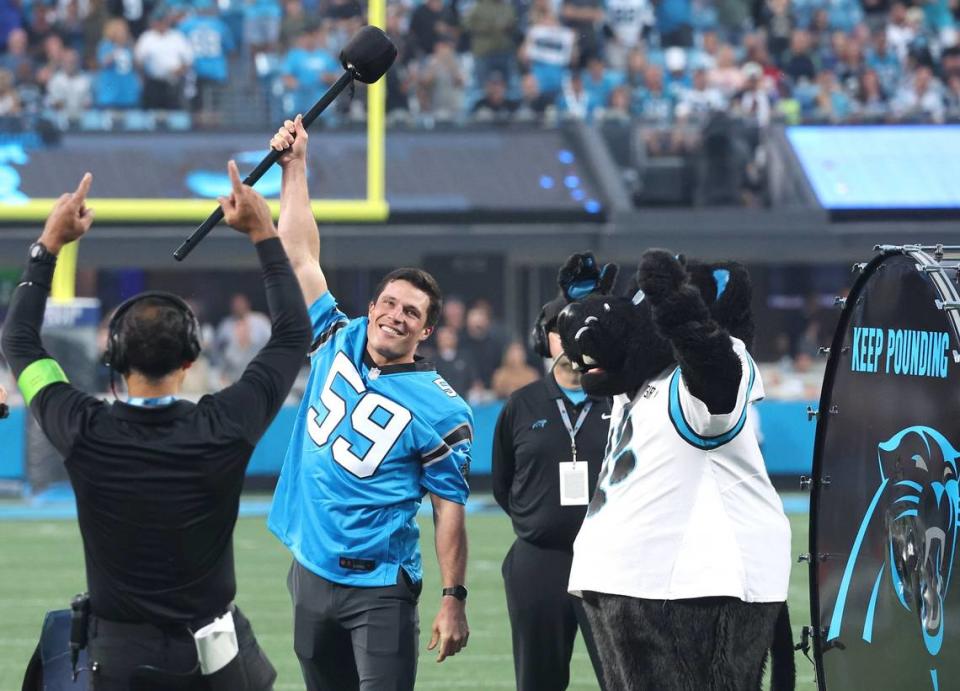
<point>664,62</point>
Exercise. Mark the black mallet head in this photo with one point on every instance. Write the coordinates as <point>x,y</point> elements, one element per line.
<point>368,55</point>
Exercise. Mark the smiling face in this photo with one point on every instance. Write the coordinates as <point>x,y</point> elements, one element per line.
<point>398,323</point>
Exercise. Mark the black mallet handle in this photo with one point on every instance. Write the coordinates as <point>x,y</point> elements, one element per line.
<point>262,167</point>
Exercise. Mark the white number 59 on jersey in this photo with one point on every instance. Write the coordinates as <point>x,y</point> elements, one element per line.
<point>381,437</point>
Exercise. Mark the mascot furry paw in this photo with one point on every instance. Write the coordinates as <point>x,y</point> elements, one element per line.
<point>683,560</point>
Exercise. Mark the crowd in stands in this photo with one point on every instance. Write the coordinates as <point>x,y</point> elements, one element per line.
<point>660,61</point>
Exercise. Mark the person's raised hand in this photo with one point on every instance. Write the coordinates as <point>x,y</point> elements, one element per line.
<point>70,218</point>
<point>291,139</point>
<point>245,209</point>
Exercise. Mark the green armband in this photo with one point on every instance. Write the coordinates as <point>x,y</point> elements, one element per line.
<point>37,375</point>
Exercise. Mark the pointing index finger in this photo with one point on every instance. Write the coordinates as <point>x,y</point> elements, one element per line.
<point>83,187</point>
<point>235,181</point>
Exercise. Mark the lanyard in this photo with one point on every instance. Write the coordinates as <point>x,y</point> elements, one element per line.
<point>573,429</point>
<point>151,402</point>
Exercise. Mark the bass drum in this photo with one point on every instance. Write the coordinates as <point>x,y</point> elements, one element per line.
<point>884,554</point>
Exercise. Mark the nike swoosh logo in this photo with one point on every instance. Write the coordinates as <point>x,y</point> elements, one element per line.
<point>605,416</point>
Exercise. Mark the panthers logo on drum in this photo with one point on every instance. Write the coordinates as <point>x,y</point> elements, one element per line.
<point>917,507</point>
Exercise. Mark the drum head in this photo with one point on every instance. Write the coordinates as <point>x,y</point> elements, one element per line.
<point>884,509</point>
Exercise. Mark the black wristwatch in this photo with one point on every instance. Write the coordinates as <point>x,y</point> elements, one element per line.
<point>39,253</point>
<point>457,591</point>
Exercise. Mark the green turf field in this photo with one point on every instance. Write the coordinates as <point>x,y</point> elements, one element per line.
<point>41,567</point>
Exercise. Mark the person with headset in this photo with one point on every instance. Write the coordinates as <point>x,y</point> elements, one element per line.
<point>548,446</point>
<point>158,479</point>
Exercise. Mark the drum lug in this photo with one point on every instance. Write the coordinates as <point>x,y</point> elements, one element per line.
<point>806,482</point>
<point>947,305</point>
<point>858,267</point>
<point>812,413</point>
<point>839,302</point>
<point>804,557</point>
<point>844,350</point>
<point>823,350</point>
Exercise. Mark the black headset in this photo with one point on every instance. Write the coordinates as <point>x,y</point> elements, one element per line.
<point>538,337</point>
<point>116,356</point>
<point>539,341</point>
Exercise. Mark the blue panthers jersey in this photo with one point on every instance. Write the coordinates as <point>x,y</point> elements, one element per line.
<point>367,445</point>
<point>211,40</point>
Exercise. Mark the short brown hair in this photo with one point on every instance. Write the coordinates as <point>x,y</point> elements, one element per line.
<point>421,280</point>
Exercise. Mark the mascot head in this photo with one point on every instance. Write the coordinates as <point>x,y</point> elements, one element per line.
<point>614,342</point>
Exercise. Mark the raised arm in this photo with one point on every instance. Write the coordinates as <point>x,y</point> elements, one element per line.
<point>39,377</point>
<point>297,227</point>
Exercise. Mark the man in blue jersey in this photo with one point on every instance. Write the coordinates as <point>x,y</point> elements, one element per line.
<point>378,428</point>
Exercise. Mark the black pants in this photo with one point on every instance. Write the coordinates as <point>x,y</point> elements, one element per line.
<point>349,638</point>
<point>543,617</point>
<point>703,644</point>
<point>119,648</point>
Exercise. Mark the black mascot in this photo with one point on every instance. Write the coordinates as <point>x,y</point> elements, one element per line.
<point>683,560</point>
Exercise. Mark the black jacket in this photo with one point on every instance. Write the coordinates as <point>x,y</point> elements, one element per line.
<point>529,443</point>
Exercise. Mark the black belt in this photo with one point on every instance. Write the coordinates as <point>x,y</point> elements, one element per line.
<point>141,629</point>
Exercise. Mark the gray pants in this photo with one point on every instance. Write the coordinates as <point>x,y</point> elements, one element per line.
<point>348,637</point>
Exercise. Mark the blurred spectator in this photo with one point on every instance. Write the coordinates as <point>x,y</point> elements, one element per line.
<point>293,24</point>
<point>492,25</point>
<point>778,21</point>
<point>454,314</point>
<point>240,337</point>
<point>495,102</point>
<point>618,105</point>
<point>584,17</point>
<point>844,15</point>
<point>533,103</point>
<point>726,75</point>
<point>10,20</point>
<point>732,18</point>
<point>69,89</point>
<point>920,97</point>
<point>427,25</point>
<point>309,68</point>
<point>135,12</point>
<point>51,58</point>
<point>261,25</point>
<point>832,103</point>
<point>165,57</point>
<point>676,78</point>
<point>16,59</point>
<point>872,103</point>
<point>651,102</point>
<point>884,61</point>
<point>454,365</point>
<point>754,102</point>
<point>951,97</point>
<point>9,98</point>
<point>696,103</point>
<point>482,341</point>
<point>599,82</point>
<point>211,40</point>
<point>574,100</point>
<point>900,33</point>
<point>627,23</point>
<point>514,372</point>
<point>442,82</point>
<point>548,50</point>
<point>675,23</point>
<point>799,64</point>
<point>117,84</point>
